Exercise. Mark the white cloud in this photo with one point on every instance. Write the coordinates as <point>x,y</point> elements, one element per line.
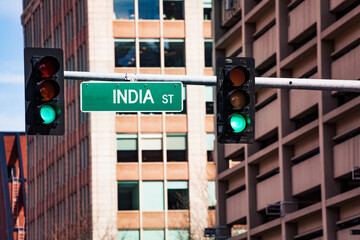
<point>11,78</point>
<point>14,66</point>
<point>12,123</point>
<point>11,9</point>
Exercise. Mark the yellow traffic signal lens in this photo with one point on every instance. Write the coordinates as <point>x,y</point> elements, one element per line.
<point>238,99</point>
<point>49,89</point>
<point>48,66</point>
<point>237,77</point>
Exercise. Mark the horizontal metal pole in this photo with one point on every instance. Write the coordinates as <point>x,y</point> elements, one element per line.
<point>186,79</point>
<point>265,82</point>
<point>309,84</point>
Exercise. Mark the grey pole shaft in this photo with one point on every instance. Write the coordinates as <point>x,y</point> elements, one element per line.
<point>265,82</point>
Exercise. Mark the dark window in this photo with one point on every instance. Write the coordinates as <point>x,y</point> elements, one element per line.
<point>178,195</point>
<point>127,156</point>
<point>207,9</point>
<point>174,52</point>
<point>208,52</point>
<point>124,52</point>
<point>148,9</point>
<point>209,107</point>
<point>149,53</point>
<point>176,155</point>
<point>124,9</point>
<point>210,156</point>
<point>128,195</point>
<point>173,9</point>
<point>152,156</point>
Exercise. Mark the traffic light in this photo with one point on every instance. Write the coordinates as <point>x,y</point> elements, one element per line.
<point>44,91</point>
<point>235,100</point>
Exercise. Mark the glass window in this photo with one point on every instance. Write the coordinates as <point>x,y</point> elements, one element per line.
<point>148,9</point>
<point>149,52</point>
<point>173,9</point>
<point>181,234</point>
<point>124,52</point>
<point>207,9</point>
<point>176,147</point>
<point>152,196</point>
<point>151,145</point>
<point>128,234</point>
<point>154,234</point>
<point>127,148</point>
<point>178,195</point>
<point>210,141</point>
<point>128,195</point>
<point>209,99</point>
<point>211,194</point>
<point>124,9</point>
<point>174,52</point>
<point>208,52</point>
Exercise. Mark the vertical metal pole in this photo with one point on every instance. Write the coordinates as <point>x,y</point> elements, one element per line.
<point>5,190</point>
<point>22,177</point>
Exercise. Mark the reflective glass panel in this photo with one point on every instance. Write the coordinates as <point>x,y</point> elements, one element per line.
<point>124,52</point>
<point>173,9</point>
<point>149,53</point>
<point>124,9</point>
<point>148,9</point>
<point>174,52</point>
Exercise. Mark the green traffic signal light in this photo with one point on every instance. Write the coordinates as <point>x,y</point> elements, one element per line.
<point>239,122</point>
<point>49,113</point>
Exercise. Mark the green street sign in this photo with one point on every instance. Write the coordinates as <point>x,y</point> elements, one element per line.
<point>131,96</point>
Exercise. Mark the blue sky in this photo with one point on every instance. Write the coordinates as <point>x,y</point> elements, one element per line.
<point>12,103</point>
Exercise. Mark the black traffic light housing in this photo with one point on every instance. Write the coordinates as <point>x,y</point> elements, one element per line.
<point>44,91</point>
<point>235,99</point>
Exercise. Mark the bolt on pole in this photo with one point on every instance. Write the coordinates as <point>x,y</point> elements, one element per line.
<point>264,82</point>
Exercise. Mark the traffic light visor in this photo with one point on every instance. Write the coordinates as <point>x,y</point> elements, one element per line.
<point>49,113</point>
<point>48,66</point>
<point>49,89</point>
<point>238,76</point>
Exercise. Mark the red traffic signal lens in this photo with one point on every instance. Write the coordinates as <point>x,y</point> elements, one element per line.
<point>48,66</point>
<point>49,89</point>
<point>238,99</point>
<point>238,76</point>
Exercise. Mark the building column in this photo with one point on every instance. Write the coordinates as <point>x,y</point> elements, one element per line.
<point>102,125</point>
<point>329,186</point>
<point>194,49</point>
